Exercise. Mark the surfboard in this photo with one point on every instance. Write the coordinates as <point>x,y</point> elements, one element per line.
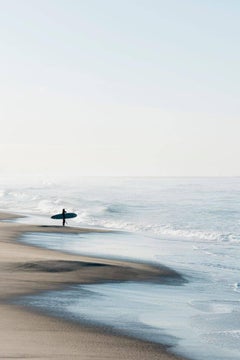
<point>67,216</point>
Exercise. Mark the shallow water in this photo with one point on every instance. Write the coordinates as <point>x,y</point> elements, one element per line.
<point>200,329</point>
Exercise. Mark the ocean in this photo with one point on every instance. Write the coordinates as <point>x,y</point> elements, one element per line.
<point>189,224</point>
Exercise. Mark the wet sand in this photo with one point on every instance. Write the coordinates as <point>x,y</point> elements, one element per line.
<point>26,269</point>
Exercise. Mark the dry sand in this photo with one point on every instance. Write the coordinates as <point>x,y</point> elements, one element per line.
<point>27,269</point>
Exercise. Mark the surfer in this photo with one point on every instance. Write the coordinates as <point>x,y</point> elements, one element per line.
<point>63,216</point>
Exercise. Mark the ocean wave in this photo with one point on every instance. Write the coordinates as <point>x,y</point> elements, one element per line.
<point>160,230</point>
<point>163,221</point>
<point>236,287</point>
<point>115,208</point>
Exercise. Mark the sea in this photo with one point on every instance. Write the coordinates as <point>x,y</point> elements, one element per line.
<point>191,225</point>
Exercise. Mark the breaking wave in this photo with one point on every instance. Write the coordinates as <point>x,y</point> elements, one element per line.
<point>166,231</point>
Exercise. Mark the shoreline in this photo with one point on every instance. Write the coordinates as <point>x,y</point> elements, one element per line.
<point>27,269</point>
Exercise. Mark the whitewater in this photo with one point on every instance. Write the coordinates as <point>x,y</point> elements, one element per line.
<point>189,224</point>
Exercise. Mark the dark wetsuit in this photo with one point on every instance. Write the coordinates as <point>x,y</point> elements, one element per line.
<point>63,214</point>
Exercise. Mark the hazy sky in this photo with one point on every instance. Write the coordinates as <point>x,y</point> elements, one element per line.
<point>129,87</point>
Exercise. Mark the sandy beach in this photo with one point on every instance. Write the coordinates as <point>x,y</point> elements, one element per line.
<point>26,269</point>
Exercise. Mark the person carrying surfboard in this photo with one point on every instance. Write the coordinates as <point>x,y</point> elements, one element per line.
<point>63,216</point>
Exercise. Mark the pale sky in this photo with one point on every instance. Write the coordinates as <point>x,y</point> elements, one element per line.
<point>130,87</point>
